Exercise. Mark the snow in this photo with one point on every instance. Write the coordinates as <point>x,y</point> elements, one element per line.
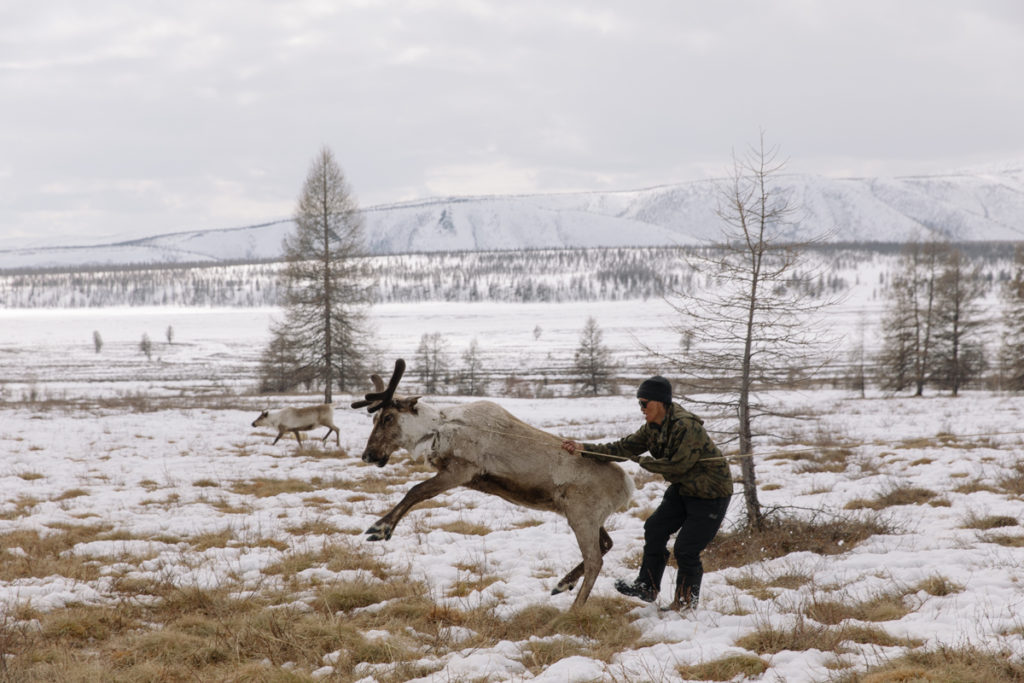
<point>155,476</point>
<point>982,204</point>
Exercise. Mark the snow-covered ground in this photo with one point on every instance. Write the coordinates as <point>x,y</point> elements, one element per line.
<point>173,474</point>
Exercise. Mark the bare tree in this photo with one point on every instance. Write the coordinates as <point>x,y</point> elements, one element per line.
<point>593,362</point>
<point>1011,352</point>
<point>170,334</point>
<point>97,341</point>
<point>324,337</point>
<point>959,356</point>
<point>146,346</point>
<point>432,361</point>
<point>753,327</point>
<point>472,373</point>
<point>900,334</point>
<point>909,320</point>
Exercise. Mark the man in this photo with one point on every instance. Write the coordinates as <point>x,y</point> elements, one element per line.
<point>700,488</point>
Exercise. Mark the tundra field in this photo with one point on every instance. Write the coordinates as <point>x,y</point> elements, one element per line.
<point>149,533</point>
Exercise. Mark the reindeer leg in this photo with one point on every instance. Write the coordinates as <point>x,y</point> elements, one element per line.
<point>568,581</point>
<point>337,434</point>
<point>425,490</point>
<point>589,539</point>
<point>279,435</point>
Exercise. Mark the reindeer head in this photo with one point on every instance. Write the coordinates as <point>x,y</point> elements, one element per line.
<point>387,435</point>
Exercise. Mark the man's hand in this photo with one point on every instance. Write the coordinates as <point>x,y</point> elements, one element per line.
<point>645,460</point>
<point>571,447</point>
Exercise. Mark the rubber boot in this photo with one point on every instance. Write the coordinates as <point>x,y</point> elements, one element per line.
<point>687,593</point>
<point>648,582</point>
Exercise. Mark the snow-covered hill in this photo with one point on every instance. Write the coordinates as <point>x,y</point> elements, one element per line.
<point>981,204</point>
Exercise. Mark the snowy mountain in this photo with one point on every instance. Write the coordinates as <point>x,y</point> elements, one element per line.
<point>980,204</point>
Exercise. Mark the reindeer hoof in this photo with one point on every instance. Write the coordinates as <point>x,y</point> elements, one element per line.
<point>378,532</point>
<point>563,587</point>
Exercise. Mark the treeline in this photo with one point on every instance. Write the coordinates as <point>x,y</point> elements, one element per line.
<point>936,329</point>
<point>554,275</point>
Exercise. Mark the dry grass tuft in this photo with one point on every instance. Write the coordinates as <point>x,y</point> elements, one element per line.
<point>1013,481</point>
<point>742,667</point>
<point>987,522</point>
<point>975,486</point>
<point>944,665</point>
<point>783,534</point>
<point>46,554</point>
<point>802,635</point>
<point>895,495</point>
<point>760,586</point>
<point>938,586</point>
<point>882,607</point>
<point>318,527</point>
<point>263,487</point>
<point>1005,540</point>
<point>466,528</point>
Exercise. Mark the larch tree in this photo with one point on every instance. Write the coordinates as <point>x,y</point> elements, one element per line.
<point>959,354</point>
<point>898,354</point>
<point>593,363</point>
<point>1011,351</point>
<point>433,361</point>
<point>753,327</point>
<point>923,264</point>
<point>473,379</point>
<point>324,338</point>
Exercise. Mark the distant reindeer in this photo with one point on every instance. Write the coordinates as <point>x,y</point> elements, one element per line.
<point>297,420</point>
<point>482,446</point>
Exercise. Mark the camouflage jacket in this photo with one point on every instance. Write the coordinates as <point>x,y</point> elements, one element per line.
<point>683,453</point>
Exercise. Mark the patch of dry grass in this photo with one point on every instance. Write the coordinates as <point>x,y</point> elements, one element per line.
<point>897,494</point>
<point>1005,540</point>
<point>22,506</point>
<point>975,486</point>
<point>944,665</point>
<point>761,587</point>
<point>318,527</point>
<point>733,667</point>
<point>1012,482</point>
<point>938,586</point>
<point>986,522</point>
<point>45,554</point>
<point>466,528</point>
<point>886,606</point>
<point>803,635</point>
<point>783,534</point>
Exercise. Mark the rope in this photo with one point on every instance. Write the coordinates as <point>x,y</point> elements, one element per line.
<point>730,456</point>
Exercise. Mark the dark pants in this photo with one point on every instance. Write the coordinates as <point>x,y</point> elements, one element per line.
<point>696,519</point>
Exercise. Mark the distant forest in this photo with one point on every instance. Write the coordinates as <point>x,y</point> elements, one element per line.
<point>549,275</point>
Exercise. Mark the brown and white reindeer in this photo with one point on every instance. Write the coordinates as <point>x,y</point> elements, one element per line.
<point>482,446</point>
<point>297,420</point>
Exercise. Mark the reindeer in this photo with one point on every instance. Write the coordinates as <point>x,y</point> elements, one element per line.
<point>482,446</point>
<point>296,420</point>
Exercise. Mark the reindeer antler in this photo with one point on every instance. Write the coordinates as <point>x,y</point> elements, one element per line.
<point>380,398</point>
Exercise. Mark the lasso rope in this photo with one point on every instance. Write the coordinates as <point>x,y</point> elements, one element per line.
<point>730,456</point>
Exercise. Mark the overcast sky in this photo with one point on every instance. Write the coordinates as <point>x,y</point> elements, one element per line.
<point>127,119</point>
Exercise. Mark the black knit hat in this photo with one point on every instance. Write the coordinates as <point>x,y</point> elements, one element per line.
<point>656,388</point>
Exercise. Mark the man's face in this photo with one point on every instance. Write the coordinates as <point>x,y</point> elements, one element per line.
<point>654,411</point>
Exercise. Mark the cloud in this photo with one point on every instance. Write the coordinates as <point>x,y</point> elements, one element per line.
<point>423,97</point>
